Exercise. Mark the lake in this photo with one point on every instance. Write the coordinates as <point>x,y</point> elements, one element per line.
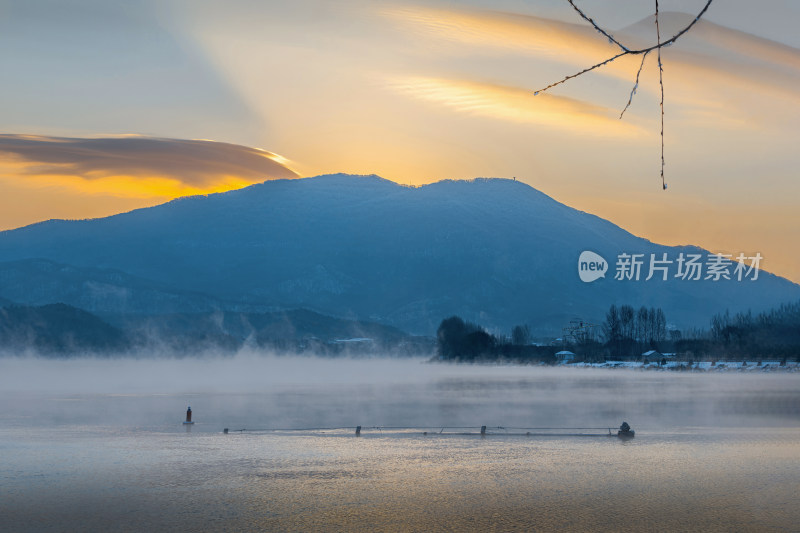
<point>93,444</point>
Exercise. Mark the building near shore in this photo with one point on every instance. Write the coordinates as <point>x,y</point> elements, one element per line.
<point>565,356</point>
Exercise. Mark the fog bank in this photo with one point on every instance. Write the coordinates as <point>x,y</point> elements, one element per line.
<point>254,391</point>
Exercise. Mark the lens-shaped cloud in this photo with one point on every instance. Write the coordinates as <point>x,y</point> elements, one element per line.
<point>516,105</point>
<point>503,31</point>
<point>708,59</point>
<point>134,166</point>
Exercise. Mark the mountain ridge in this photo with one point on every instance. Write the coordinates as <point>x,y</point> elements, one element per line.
<point>495,251</point>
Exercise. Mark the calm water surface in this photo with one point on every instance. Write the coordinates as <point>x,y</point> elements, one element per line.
<point>98,446</point>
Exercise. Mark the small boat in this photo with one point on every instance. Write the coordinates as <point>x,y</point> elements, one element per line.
<point>625,431</point>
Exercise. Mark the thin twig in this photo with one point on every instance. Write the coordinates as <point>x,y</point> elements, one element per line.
<point>661,83</point>
<point>598,28</point>
<point>668,42</point>
<point>635,85</point>
<point>643,52</point>
<point>584,71</point>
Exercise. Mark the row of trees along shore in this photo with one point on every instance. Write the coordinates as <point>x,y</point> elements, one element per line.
<point>627,333</point>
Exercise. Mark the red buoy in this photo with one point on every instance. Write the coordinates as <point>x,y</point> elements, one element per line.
<point>189,416</point>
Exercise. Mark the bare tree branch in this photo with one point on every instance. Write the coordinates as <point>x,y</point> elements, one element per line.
<point>661,83</point>
<point>584,71</point>
<point>643,52</point>
<point>627,51</point>
<point>598,28</point>
<point>635,85</point>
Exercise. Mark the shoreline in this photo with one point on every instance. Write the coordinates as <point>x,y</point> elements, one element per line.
<point>702,366</point>
<point>672,366</point>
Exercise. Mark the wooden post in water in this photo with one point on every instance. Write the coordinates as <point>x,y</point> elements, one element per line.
<point>358,431</point>
<point>188,416</point>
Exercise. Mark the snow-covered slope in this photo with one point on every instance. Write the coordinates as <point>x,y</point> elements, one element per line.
<point>495,251</point>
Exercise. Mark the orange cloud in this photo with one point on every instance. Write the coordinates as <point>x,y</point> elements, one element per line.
<point>522,33</point>
<point>46,177</point>
<point>731,60</point>
<point>516,105</point>
<point>135,167</point>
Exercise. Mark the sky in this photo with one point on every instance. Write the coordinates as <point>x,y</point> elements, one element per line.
<point>108,106</point>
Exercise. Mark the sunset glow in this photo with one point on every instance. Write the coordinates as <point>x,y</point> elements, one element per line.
<point>415,93</point>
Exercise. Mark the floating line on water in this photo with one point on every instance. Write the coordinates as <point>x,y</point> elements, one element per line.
<point>442,430</point>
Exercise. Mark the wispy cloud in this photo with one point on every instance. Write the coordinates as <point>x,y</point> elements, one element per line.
<point>729,59</point>
<point>499,30</point>
<point>516,105</point>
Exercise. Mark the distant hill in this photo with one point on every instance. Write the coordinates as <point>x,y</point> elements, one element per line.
<point>102,291</point>
<point>493,251</point>
<point>60,330</point>
<point>57,329</point>
<point>294,330</point>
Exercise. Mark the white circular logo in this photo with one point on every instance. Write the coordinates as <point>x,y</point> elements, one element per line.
<point>591,266</point>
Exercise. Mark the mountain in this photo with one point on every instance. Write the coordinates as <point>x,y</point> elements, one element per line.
<point>62,330</point>
<point>102,291</point>
<point>57,329</point>
<point>493,251</point>
<point>293,330</point>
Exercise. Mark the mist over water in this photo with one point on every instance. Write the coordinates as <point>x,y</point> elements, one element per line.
<point>266,391</point>
<point>98,444</point>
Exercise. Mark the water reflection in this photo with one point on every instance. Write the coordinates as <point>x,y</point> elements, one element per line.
<point>101,480</point>
<point>712,452</point>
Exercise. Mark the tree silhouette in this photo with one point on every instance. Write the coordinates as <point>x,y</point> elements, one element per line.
<point>520,335</point>
<point>465,340</point>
